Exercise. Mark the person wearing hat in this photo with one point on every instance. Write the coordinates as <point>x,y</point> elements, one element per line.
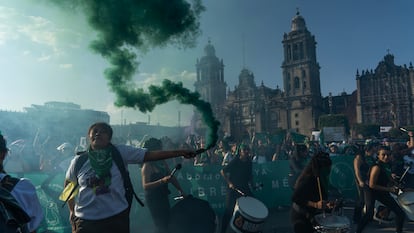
<point>333,149</point>
<point>238,175</point>
<point>156,176</point>
<point>100,204</point>
<point>23,191</point>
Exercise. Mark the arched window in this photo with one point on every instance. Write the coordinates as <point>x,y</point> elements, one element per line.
<point>296,83</point>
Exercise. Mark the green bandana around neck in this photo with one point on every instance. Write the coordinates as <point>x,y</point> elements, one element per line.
<point>101,163</point>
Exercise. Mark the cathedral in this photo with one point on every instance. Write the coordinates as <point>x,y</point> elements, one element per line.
<point>251,109</point>
<point>386,95</point>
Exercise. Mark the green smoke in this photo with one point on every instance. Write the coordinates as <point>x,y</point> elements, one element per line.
<point>125,26</point>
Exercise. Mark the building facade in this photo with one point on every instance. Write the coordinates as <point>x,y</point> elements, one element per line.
<point>250,109</point>
<point>54,122</point>
<point>385,96</point>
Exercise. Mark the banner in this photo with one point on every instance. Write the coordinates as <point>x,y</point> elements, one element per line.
<point>203,182</point>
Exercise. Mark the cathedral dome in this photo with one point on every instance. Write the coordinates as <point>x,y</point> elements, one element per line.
<point>298,23</point>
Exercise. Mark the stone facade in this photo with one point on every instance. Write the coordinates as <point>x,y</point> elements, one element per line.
<point>249,108</point>
<point>385,95</point>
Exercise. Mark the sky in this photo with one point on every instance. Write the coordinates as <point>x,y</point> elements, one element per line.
<point>44,53</point>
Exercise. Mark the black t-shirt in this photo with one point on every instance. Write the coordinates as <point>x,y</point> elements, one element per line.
<point>240,173</point>
<point>307,190</point>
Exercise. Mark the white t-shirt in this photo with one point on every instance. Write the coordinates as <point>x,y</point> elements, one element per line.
<point>25,194</point>
<point>94,205</point>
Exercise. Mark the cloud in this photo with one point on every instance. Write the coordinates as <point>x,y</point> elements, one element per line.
<point>65,66</point>
<point>6,25</point>
<point>43,58</point>
<point>166,114</point>
<point>41,36</point>
<point>146,79</point>
<point>40,31</point>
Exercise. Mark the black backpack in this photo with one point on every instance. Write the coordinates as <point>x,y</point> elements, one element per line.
<point>13,219</point>
<point>117,158</point>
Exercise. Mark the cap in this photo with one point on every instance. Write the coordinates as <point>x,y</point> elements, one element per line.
<point>333,144</point>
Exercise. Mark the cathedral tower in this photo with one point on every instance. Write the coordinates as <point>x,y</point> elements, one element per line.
<point>301,78</point>
<point>210,79</point>
<point>210,83</point>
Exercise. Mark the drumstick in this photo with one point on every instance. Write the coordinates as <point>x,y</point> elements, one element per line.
<point>319,188</point>
<point>320,194</point>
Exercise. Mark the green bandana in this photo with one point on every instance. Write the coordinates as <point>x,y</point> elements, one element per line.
<point>101,163</point>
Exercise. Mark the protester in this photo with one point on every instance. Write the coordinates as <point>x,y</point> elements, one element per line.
<point>238,175</point>
<point>100,204</point>
<point>230,154</point>
<point>380,189</point>
<point>155,178</point>
<point>261,152</point>
<point>333,149</point>
<point>361,168</point>
<point>408,158</point>
<point>23,191</point>
<point>15,161</point>
<point>297,163</point>
<point>202,159</point>
<point>311,193</point>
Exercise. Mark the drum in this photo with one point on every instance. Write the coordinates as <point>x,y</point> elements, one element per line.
<point>406,201</point>
<point>249,215</point>
<point>406,198</point>
<point>328,223</point>
<point>192,215</point>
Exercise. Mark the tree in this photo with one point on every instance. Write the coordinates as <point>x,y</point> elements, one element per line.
<point>367,130</point>
<point>334,120</point>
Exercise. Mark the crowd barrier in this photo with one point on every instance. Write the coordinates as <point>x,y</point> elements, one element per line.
<point>203,182</point>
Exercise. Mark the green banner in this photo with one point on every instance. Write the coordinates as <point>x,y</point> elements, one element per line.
<point>203,182</point>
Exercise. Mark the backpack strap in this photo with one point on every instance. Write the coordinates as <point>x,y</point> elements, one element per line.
<point>117,158</point>
<point>8,182</point>
<point>83,156</point>
<point>129,189</point>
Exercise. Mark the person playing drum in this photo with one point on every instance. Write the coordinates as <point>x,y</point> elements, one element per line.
<point>311,192</point>
<point>380,189</point>
<point>238,175</point>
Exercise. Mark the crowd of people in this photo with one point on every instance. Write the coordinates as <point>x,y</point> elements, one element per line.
<point>99,195</point>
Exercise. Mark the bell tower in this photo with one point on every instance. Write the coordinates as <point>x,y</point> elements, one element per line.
<point>301,78</point>
<point>210,80</point>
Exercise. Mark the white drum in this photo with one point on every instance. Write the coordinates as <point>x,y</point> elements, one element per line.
<point>406,201</point>
<point>406,198</point>
<point>328,223</point>
<point>249,215</point>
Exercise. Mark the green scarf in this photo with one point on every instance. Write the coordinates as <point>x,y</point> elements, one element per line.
<point>101,163</point>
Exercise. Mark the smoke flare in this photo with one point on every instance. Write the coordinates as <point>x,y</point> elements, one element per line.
<point>124,26</point>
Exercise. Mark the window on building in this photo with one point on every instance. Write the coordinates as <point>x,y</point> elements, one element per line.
<point>289,53</point>
<point>297,84</point>
<point>301,53</point>
<point>295,52</point>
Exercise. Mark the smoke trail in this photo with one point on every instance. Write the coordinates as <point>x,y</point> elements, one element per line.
<point>124,26</point>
